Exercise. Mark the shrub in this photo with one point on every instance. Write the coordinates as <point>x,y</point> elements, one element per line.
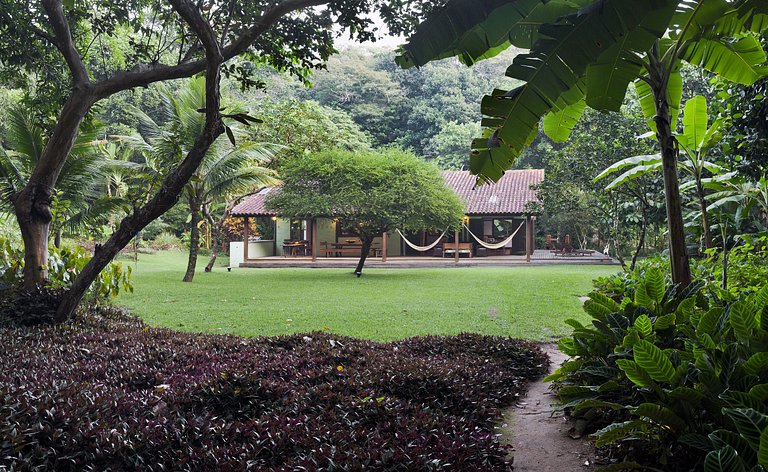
<point>682,376</point>
<point>154,229</point>
<point>747,264</point>
<point>113,394</point>
<point>166,240</point>
<point>64,265</point>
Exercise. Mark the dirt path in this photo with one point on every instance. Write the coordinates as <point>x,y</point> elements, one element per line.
<point>541,442</point>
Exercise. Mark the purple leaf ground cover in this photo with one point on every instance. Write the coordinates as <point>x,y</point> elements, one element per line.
<point>112,394</point>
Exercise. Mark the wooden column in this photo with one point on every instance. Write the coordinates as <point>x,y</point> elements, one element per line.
<point>314,239</point>
<point>246,237</point>
<point>456,246</point>
<point>384,247</point>
<point>274,236</point>
<point>528,242</point>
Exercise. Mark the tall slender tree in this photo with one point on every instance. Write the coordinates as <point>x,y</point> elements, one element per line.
<point>697,140</point>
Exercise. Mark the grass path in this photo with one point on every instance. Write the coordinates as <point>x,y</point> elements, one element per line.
<point>384,304</point>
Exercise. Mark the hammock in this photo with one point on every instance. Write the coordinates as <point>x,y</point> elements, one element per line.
<point>420,248</point>
<point>497,245</point>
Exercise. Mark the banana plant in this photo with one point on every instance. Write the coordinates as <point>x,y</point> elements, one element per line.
<point>586,53</point>
<point>696,141</point>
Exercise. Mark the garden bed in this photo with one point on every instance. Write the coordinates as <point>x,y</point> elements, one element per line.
<point>114,394</point>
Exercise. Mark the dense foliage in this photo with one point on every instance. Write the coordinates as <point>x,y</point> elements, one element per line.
<point>681,377</point>
<point>36,306</point>
<point>114,394</point>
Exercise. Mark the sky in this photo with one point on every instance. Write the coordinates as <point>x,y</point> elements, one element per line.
<point>385,40</point>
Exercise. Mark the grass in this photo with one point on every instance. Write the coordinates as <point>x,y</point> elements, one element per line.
<point>528,302</point>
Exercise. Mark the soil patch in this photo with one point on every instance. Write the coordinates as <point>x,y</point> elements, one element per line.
<point>539,438</point>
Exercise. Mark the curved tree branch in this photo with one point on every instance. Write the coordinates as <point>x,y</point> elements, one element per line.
<point>168,194</point>
<point>140,78</point>
<point>63,41</point>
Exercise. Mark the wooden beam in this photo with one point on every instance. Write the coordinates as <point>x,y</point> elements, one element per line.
<point>314,240</point>
<point>456,246</point>
<point>246,237</point>
<point>274,236</point>
<point>528,232</point>
<point>384,247</point>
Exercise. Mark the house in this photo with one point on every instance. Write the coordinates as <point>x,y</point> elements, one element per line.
<point>494,213</point>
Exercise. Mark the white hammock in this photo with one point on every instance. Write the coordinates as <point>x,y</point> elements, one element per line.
<point>420,248</point>
<point>497,245</point>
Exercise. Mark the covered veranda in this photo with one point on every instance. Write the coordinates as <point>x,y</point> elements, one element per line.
<point>538,257</point>
<point>498,229</point>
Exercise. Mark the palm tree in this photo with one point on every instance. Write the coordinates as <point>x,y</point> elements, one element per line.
<point>230,167</point>
<point>587,52</point>
<point>79,199</point>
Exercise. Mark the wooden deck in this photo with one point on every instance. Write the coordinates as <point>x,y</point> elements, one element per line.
<point>539,257</point>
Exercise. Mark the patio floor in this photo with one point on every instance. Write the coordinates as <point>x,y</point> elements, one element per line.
<point>539,257</point>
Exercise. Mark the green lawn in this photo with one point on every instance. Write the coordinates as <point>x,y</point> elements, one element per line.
<point>384,304</point>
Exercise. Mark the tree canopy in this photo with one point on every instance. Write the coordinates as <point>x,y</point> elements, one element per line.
<point>368,193</point>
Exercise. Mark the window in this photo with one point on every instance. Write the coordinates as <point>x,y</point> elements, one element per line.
<point>298,229</point>
<point>504,227</point>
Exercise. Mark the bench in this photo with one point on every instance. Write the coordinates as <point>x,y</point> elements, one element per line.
<point>464,248</point>
<point>331,250</point>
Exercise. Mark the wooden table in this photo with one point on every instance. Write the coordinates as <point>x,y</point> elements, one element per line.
<point>294,248</point>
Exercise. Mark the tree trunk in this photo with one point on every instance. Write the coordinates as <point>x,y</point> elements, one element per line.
<point>367,242</point>
<point>32,204</point>
<point>617,250</point>
<point>33,212</point>
<point>678,252</point>
<point>725,268</point>
<point>704,215</point>
<point>640,244</point>
<point>218,226</point>
<point>168,194</point>
<point>194,239</point>
<point>57,239</point>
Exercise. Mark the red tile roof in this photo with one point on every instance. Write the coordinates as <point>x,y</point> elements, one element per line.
<point>254,205</point>
<point>509,195</point>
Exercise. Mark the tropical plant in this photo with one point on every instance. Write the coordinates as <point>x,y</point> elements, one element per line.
<point>368,193</point>
<point>697,140</point>
<point>749,195</point>
<point>63,266</point>
<point>230,167</point>
<point>78,196</point>
<point>586,53</point>
<point>682,374</point>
